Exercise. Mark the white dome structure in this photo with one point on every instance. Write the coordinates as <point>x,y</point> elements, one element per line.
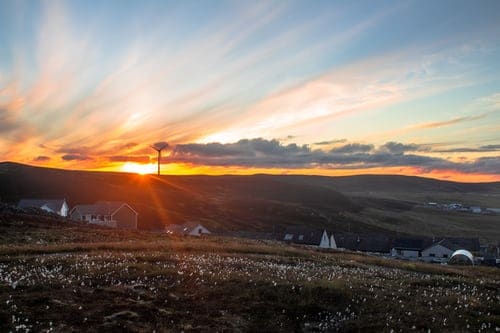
<point>461,257</point>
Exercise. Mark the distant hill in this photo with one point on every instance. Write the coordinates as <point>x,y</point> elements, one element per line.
<point>225,202</point>
<point>395,183</point>
<point>385,204</point>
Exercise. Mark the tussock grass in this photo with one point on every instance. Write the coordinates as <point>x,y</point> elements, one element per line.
<point>106,280</point>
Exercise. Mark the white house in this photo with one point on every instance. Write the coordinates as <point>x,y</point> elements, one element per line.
<point>112,214</point>
<point>305,236</point>
<point>57,206</point>
<point>475,209</point>
<point>493,210</point>
<point>438,252</point>
<point>187,229</point>
<point>195,229</point>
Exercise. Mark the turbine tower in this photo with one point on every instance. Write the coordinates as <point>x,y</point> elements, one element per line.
<point>159,146</point>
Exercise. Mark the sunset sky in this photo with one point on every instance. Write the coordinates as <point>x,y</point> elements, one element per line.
<point>309,87</point>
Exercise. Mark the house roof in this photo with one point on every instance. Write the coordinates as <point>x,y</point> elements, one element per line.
<point>363,242</point>
<point>53,204</point>
<point>444,242</point>
<point>469,244</point>
<point>191,225</point>
<point>301,235</point>
<point>416,244</point>
<point>101,208</point>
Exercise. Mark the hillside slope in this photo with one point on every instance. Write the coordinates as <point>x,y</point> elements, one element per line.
<point>226,202</point>
<point>385,204</point>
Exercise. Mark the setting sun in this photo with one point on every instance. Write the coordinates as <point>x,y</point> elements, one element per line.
<point>138,168</point>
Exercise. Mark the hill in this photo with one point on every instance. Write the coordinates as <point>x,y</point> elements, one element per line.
<point>227,202</point>
<point>386,204</point>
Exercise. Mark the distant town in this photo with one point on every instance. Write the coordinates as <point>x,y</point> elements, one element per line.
<point>461,207</point>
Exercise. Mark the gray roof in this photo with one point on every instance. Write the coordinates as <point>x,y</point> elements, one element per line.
<point>54,204</point>
<point>191,225</point>
<point>447,244</point>
<point>469,244</point>
<point>363,242</point>
<point>301,235</point>
<point>415,244</point>
<point>101,208</point>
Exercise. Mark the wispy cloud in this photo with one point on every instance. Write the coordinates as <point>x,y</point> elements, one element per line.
<point>137,159</point>
<point>86,88</point>
<point>362,86</point>
<point>75,157</point>
<point>454,121</point>
<point>41,158</point>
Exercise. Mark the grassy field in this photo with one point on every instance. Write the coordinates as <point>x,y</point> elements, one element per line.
<point>61,277</point>
<point>431,222</point>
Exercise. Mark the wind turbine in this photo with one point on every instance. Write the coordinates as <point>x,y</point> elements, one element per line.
<point>159,146</point>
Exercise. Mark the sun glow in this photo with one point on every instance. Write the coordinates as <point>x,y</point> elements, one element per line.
<point>141,169</point>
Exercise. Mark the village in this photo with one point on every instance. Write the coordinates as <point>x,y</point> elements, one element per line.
<point>437,249</point>
<point>460,207</point>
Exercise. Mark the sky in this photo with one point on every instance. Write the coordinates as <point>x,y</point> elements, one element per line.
<point>243,87</point>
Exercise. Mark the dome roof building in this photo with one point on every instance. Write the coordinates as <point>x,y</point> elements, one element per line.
<point>461,257</point>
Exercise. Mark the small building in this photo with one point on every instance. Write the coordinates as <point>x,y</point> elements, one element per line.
<point>475,209</point>
<point>493,210</point>
<point>307,236</point>
<point>439,252</point>
<point>409,248</point>
<point>187,229</point>
<point>195,229</point>
<point>114,214</point>
<point>461,257</point>
<point>56,206</point>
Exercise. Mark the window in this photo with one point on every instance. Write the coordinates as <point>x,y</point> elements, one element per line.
<point>288,236</point>
<point>432,254</point>
<point>445,256</point>
<point>83,217</point>
<point>301,237</point>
